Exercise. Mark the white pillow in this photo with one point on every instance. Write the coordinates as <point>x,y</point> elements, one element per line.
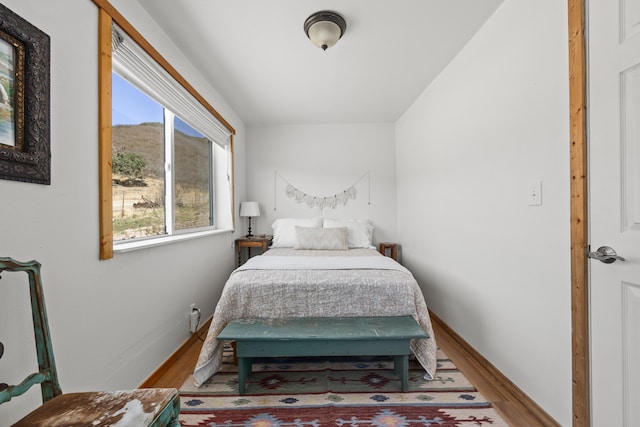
<point>359,231</point>
<point>284,230</point>
<point>321,238</point>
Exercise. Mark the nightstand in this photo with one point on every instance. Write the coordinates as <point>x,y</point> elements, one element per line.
<point>252,242</point>
<point>392,247</point>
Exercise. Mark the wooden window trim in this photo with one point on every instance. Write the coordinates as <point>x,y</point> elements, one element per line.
<point>107,15</point>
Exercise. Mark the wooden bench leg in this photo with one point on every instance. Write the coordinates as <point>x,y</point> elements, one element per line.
<point>244,372</point>
<point>401,368</point>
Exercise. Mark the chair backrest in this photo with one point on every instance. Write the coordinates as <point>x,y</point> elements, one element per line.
<point>47,376</point>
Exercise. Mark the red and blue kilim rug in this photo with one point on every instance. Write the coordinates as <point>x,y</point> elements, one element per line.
<point>347,392</point>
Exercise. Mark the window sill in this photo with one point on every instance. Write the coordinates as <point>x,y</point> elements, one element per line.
<point>127,246</point>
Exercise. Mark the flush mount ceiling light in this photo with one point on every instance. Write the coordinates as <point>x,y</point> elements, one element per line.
<point>325,28</point>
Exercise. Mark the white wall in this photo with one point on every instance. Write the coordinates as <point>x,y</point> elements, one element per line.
<point>113,322</point>
<point>492,267</point>
<point>323,160</point>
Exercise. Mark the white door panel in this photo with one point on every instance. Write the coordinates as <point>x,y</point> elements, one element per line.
<point>613,42</point>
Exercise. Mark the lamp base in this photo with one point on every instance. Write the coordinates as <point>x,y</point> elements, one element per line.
<point>249,231</point>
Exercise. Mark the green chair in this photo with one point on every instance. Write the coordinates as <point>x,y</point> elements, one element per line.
<point>141,407</point>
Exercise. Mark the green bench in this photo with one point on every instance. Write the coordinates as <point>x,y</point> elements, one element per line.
<point>344,336</point>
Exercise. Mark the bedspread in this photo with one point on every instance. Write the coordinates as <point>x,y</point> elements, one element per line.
<point>262,292</point>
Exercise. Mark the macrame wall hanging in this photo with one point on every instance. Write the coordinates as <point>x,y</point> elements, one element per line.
<point>331,201</point>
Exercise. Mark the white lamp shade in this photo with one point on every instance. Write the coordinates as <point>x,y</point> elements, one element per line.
<point>324,34</point>
<point>250,209</point>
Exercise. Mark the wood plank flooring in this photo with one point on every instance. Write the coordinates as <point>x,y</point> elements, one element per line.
<point>515,407</point>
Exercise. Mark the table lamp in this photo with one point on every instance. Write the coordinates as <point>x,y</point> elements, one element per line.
<point>250,210</point>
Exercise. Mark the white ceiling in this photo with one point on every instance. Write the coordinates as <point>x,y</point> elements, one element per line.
<point>257,56</point>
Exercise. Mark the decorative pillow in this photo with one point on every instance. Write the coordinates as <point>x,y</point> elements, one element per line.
<point>284,230</point>
<point>321,238</point>
<point>359,231</point>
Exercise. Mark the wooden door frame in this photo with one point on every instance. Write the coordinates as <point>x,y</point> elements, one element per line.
<point>579,214</point>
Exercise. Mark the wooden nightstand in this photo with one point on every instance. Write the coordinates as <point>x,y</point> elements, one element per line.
<point>392,247</point>
<point>251,242</point>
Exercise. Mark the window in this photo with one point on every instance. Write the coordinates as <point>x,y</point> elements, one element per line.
<point>162,161</point>
<point>149,198</point>
<point>166,154</point>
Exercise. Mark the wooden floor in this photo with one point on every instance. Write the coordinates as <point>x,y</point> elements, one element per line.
<point>515,408</point>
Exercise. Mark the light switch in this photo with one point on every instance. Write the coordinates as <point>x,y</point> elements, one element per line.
<point>534,193</point>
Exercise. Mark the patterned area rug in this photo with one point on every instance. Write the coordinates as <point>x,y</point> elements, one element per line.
<point>349,392</point>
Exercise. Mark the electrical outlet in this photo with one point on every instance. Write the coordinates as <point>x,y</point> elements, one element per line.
<point>194,317</point>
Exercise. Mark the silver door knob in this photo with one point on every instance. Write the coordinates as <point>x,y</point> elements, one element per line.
<point>605,254</point>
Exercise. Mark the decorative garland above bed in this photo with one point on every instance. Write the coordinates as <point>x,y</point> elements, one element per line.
<point>332,201</point>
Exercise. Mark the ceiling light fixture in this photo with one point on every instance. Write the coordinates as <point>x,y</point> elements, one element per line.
<point>324,28</point>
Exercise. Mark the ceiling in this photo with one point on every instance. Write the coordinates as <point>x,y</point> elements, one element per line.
<point>257,56</point>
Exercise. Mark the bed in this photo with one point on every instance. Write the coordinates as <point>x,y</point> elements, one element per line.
<point>303,281</point>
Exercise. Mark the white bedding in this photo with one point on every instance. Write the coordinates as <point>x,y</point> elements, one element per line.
<point>312,283</point>
<point>321,263</point>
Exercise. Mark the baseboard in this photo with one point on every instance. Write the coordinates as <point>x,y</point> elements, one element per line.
<point>496,376</point>
<point>171,360</point>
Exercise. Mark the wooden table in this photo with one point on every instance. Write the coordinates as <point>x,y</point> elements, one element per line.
<point>392,247</point>
<point>252,242</point>
<point>326,336</point>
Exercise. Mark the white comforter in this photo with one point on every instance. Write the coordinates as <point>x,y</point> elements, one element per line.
<point>375,262</point>
<point>299,283</point>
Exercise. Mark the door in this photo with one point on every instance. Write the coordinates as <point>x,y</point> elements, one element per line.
<point>613,43</point>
